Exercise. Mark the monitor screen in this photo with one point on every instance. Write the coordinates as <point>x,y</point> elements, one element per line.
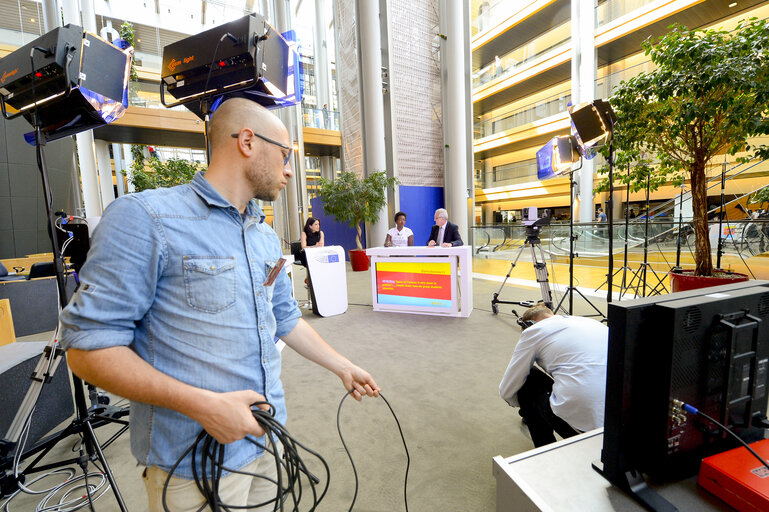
<point>418,284</point>
<point>708,348</point>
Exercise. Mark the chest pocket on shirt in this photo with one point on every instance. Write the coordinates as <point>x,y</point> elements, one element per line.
<point>209,282</point>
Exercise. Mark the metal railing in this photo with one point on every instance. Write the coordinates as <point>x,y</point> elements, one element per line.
<point>320,118</point>
<point>522,55</point>
<point>608,11</point>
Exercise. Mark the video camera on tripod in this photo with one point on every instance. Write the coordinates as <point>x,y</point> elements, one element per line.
<point>533,224</point>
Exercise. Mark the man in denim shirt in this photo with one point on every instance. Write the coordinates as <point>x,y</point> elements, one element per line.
<point>176,313</point>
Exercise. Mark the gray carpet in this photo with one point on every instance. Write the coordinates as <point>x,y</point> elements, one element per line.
<point>441,377</point>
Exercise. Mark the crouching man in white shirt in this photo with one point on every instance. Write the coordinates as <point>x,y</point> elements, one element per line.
<point>568,396</point>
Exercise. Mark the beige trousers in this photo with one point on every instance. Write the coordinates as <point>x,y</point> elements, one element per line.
<point>234,489</point>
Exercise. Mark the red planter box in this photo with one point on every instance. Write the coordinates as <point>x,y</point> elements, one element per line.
<point>686,280</point>
<point>359,260</point>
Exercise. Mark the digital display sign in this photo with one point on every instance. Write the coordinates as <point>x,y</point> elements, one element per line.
<point>420,283</point>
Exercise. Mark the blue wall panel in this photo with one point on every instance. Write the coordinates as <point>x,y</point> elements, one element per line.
<point>419,205</point>
<point>334,232</point>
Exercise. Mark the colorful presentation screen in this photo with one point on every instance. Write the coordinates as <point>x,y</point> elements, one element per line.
<point>423,284</point>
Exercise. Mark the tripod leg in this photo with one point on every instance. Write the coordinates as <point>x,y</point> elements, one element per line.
<point>90,435</point>
<point>495,298</point>
<point>540,270</point>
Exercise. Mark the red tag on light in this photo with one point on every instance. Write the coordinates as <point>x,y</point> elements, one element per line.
<point>222,63</point>
<point>38,75</point>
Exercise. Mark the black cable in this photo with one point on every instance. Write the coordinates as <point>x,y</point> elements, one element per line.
<point>355,472</point>
<point>693,410</point>
<point>208,474</point>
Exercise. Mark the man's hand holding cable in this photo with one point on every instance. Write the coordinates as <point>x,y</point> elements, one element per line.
<point>358,380</point>
<point>228,417</point>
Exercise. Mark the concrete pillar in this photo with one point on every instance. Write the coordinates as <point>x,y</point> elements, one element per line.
<point>128,162</point>
<point>488,214</point>
<point>322,75</point>
<point>488,174</point>
<point>119,168</point>
<point>89,16</point>
<point>51,16</point>
<point>373,106</point>
<point>104,164</point>
<point>453,57</point>
<point>327,168</point>
<point>289,117</point>
<point>84,140</point>
<point>583,74</point>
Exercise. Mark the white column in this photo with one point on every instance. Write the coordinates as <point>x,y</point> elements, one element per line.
<point>84,140</point>
<point>454,121</point>
<point>128,162</point>
<point>373,106</point>
<point>51,18</point>
<point>288,116</point>
<point>322,75</point>
<point>104,163</point>
<point>119,168</point>
<point>583,69</point>
<point>327,168</point>
<point>89,16</point>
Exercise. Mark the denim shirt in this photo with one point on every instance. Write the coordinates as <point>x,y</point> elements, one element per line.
<point>178,276</point>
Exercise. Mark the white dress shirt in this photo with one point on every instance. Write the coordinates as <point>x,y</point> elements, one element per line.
<point>572,349</point>
<point>400,238</point>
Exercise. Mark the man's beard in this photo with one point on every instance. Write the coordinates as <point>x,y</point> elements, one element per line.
<point>260,185</point>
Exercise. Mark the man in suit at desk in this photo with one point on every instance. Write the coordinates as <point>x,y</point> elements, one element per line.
<point>444,233</point>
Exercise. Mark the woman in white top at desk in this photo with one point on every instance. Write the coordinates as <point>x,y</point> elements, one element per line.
<point>400,235</point>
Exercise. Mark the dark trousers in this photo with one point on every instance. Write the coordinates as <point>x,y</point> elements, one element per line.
<point>534,399</point>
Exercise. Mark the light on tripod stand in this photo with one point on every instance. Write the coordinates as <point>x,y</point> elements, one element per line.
<point>556,157</point>
<point>592,125</point>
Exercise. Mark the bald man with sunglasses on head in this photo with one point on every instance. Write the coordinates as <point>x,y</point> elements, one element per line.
<point>179,305</point>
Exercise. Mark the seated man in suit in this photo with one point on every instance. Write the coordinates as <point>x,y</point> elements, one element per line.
<point>568,396</point>
<point>444,233</point>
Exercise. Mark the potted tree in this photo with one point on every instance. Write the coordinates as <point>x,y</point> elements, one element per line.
<point>706,97</point>
<point>352,200</point>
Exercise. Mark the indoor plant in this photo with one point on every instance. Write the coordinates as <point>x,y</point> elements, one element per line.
<point>706,97</point>
<point>352,200</point>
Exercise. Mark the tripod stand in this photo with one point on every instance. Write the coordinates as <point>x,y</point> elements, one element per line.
<point>540,268</point>
<point>86,420</point>
<point>640,275</point>
<point>623,286</point>
<point>571,289</point>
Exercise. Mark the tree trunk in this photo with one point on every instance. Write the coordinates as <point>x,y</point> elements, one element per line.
<point>702,258</point>
<point>357,237</point>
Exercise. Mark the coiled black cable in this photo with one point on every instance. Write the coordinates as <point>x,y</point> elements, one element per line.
<point>209,473</point>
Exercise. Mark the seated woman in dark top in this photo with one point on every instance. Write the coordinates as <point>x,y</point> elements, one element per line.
<point>312,236</point>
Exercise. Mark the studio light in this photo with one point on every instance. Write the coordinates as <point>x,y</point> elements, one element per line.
<point>66,81</point>
<point>246,58</point>
<point>556,157</point>
<point>592,124</point>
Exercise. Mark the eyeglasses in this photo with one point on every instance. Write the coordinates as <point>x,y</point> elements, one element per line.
<point>267,139</point>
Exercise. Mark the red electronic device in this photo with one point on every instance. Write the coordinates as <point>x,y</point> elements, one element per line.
<point>738,478</point>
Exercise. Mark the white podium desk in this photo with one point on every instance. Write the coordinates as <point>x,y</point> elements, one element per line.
<point>422,280</point>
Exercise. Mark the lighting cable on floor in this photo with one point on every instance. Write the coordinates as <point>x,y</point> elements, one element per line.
<point>355,472</point>
<point>693,410</point>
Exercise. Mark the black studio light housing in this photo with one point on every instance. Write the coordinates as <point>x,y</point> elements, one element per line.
<point>592,125</point>
<point>246,58</point>
<point>67,81</point>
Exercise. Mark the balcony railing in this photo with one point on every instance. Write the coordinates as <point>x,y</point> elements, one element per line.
<point>490,16</point>
<point>610,10</point>
<point>509,174</point>
<point>522,55</point>
<point>320,118</point>
<point>526,114</point>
